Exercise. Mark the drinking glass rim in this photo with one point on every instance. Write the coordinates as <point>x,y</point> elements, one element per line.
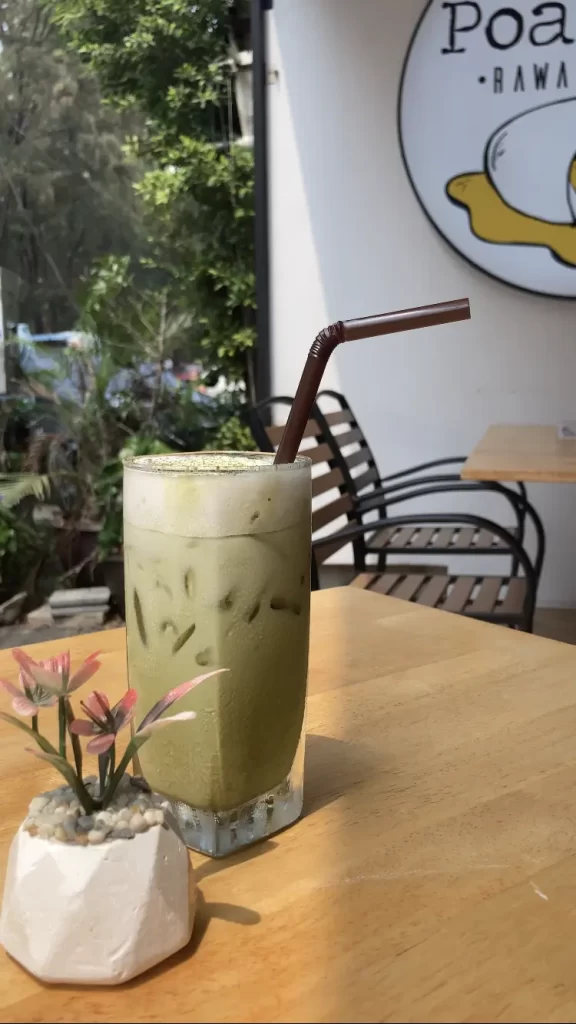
<point>160,463</point>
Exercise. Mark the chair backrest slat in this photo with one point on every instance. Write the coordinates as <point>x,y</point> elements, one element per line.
<point>350,437</point>
<point>333,506</point>
<point>343,439</point>
<point>334,419</point>
<point>365,479</point>
<point>275,433</point>
<point>329,513</point>
<point>327,482</point>
<point>359,458</point>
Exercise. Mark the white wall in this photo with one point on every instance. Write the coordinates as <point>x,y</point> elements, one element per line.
<point>349,239</point>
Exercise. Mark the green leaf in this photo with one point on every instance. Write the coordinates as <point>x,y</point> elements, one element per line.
<point>131,750</point>
<point>13,488</point>
<point>43,743</point>
<point>50,754</point>
<point>65,769</point>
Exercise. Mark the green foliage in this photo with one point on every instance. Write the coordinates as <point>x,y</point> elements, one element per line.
<point>23,550</point>
<point>162,153</point>
<point>232,436</point>
<point>66,182</point>
<point>170,60</point>
<point>133,320</point>
<point>203,206</point>
<point>181,424</point>
<point>108,491</point>
<point>15,487</point>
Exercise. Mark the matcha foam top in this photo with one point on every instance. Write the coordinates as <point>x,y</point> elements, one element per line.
<point>215,494</point>
<point>211,462</point>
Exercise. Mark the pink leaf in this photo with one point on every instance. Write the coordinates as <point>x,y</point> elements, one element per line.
<point>24,660</point>
<point>97,704</point>
<point>184,716</point>
<point>123,711</point>
<point>10,688</point>
<point>23,706</point>
<point>174,695</point>
<point>126,703</point>
<point>80,727</point>
<point>84,673</point>
<point>62,664</point>
<point>101,744</point>
<point>50,681</point>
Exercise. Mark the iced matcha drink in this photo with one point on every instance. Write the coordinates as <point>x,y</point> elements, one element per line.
<point>217,562</point>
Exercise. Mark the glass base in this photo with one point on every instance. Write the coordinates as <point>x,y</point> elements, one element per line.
<point>220,833</point>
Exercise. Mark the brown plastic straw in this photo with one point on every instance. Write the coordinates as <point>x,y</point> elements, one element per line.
<point>353,330</point>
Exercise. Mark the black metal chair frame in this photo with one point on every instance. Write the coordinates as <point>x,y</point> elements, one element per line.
<point>422,467</point>
<point>529,607</point>
<point>397,493</point>
<point>378,499</point>
<point>421,487</point>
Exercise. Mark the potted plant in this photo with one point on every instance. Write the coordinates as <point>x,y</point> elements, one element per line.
<point>97,885</point>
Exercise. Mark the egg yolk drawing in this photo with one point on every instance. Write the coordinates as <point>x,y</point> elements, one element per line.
<point>526,194</point>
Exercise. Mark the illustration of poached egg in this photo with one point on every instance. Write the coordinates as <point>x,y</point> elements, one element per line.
<point>527,192</point>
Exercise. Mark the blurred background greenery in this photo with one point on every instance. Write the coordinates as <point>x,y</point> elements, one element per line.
<point>126,226</point>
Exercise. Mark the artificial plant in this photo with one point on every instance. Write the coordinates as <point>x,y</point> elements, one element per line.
<point>47,684</point>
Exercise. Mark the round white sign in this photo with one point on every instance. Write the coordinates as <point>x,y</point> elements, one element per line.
<point>487,122</point>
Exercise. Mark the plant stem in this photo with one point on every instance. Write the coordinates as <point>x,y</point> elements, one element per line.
<point>102,766</point>
<point>110,762</point>
<point>114,779</point>
<point>75,741</point>
<point>62,726</point>
<point>35,723</point>
<point>84,796</point>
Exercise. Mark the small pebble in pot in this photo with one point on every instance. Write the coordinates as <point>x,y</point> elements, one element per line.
<point>139,783</point>
<point>103,827</point>
<point>58,816</point>
<point>38,804</point>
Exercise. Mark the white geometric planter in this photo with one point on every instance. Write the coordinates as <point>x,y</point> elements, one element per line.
<point>97,915</point>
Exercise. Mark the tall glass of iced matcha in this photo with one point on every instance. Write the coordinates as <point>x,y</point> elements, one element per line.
<point>217,562</point>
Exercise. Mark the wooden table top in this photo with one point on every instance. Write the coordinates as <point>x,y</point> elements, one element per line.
<point>531,454</point>
<point>434,875</point>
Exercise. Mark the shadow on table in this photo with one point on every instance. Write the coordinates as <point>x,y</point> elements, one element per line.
<point>205,913</point>
<point>332,768</point>
<point>213,867</point>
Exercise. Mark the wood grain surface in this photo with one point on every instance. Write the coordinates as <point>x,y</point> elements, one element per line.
<point>530,454</point>
<point>433,877</point>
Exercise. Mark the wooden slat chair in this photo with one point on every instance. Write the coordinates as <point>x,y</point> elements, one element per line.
<point>504,600</point>
<point>371,492</point>
<point>501,599</point>
<point>369,479</point>
<point>330,499</point>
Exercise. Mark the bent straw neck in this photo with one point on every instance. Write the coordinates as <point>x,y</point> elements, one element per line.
<point>322,349</point>
<point>353,330</point>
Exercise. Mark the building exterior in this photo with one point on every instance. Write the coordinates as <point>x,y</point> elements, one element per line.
<point>348,238</point>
